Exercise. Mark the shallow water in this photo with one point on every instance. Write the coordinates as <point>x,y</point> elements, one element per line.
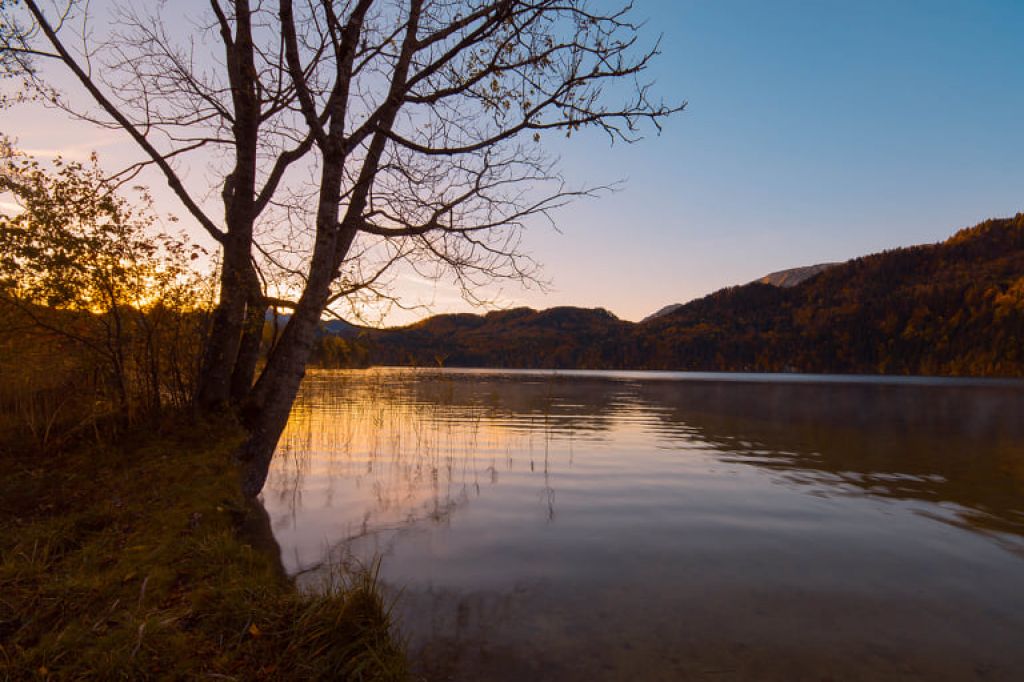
<point>654,526</point>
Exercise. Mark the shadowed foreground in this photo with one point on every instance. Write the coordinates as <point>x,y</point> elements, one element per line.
<point>142,561</point>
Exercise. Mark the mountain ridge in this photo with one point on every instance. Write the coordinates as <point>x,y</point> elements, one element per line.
<point>954,307</point>
<point>782,278</point>
<point>793,276</point>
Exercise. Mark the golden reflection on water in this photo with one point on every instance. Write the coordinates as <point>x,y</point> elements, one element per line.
<point>603,527</point>
<point>414,451</point>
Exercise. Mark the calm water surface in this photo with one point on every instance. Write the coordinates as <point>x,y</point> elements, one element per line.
<point>642,526</point>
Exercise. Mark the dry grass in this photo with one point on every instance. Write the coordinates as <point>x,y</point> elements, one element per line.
<point>142,561</point>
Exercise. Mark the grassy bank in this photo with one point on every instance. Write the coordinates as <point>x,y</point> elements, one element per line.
<point>143,561</point>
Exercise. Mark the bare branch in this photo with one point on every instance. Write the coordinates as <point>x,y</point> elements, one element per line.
<point>172,178</point>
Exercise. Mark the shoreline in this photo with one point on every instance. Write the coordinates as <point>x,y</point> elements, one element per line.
<point>140,560</point>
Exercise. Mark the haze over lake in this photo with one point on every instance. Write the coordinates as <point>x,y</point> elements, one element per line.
<point>592,525</point>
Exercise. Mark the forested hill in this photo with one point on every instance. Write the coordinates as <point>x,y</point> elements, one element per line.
<point>522,337</point>
<point>951,308</point>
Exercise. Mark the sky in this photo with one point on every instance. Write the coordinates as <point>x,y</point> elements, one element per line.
<point>815,131</point>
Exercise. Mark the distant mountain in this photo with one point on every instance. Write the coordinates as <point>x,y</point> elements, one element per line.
<point>339,328</point>
<point>670,308</point>
<point>951,308</point>
<point>793,276</point>
<point>521,337</point>
<point>782,278</point>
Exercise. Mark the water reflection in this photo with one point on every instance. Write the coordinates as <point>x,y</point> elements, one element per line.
<point>591,527</point>
<point>958,447</point>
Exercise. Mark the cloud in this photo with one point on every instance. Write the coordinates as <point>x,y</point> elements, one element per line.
<point>42,134</point>
<point>10,207</point>
<point>72,152</point>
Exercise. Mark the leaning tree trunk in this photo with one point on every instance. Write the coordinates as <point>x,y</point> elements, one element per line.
<point>266,411</point>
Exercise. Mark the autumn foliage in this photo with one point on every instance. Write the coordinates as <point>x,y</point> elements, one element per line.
<point>101,313</point>
<point>953,308</point>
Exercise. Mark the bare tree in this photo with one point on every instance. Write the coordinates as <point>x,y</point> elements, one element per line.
<point>423,121</point>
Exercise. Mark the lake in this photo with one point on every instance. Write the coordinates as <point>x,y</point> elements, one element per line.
<point>667,526</point>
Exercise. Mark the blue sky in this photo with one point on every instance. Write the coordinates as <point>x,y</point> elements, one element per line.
<point>816,131</point>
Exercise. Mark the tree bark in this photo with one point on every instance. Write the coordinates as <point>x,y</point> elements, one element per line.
<point>239,195</point>
<point>225,334</point>
<point>266,411</point>
<point>249,347</point>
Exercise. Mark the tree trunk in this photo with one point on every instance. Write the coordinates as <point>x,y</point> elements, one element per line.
<point>225,335</point>
<point>238,194</point>
<point>266,412</point>
<point>249,347</point>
